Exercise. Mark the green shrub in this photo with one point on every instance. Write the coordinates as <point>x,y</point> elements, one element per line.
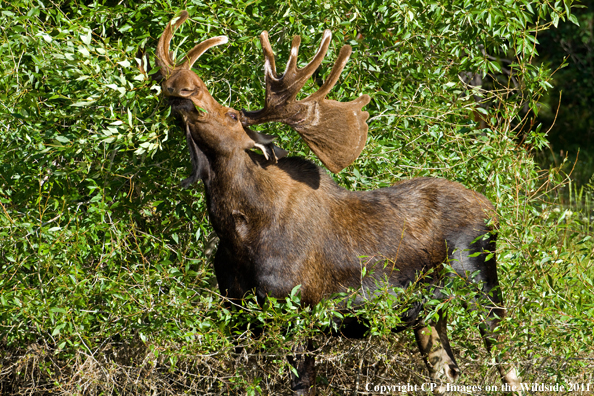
<point>105,271</point>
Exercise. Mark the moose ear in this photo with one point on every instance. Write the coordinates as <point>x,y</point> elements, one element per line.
<point>264,143</point>
<point>200,164</point>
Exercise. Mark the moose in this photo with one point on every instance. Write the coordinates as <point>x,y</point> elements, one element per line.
<point>282,221</point>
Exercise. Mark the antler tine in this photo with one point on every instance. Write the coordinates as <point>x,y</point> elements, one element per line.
<point>343,58</point>
<point>163,57</point>
<point>292,62</point>
<point>311,67</point>
<point>300,76</point>
<point>269,65</point>
<point>199,49</point>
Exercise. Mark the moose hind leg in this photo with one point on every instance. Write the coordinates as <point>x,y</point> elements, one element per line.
<point>435,348</point>
<point>304,383</point>
<point>494,306</point>
<point>506,370</point>
<point>490,301</point>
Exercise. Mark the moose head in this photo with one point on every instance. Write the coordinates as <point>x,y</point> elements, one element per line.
<point>335,131</point>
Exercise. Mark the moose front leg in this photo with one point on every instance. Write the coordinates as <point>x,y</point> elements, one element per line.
<point>304,362</point>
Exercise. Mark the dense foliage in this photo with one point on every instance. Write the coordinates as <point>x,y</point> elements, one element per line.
<point>105,269</point>
<point>567,107</point>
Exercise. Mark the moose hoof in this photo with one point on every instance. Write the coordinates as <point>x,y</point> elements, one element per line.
<point>444,369</point>
<point>444,373</point>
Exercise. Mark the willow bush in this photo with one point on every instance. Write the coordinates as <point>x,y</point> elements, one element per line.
<point>106,281</point>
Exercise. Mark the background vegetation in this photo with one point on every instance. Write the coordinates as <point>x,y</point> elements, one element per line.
<point>106,284</point>
<point>567,107</point>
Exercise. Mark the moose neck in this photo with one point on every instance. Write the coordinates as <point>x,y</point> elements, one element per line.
<point>235,171</point>
<point>234,186</point>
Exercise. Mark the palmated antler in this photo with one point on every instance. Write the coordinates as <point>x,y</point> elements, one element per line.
<point>335,131</point>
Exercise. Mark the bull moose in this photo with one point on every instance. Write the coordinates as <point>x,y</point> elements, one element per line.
<point>283,221</point>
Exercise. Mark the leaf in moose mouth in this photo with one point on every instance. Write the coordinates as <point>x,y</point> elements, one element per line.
<point>200,109</point>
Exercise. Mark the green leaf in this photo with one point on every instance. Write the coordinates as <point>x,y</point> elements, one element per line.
<point>84,51</point>
<point>294,292</point>
<point>555,17</point>
<point>124,63</point>
<point>83,103</point>
<point>86,38</point>
<point>62,139</point>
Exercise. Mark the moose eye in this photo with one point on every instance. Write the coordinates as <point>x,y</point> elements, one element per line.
<point>232,115</point>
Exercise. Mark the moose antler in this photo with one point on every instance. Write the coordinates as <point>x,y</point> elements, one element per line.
<point>163,55</point>
<point>335,131</point>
